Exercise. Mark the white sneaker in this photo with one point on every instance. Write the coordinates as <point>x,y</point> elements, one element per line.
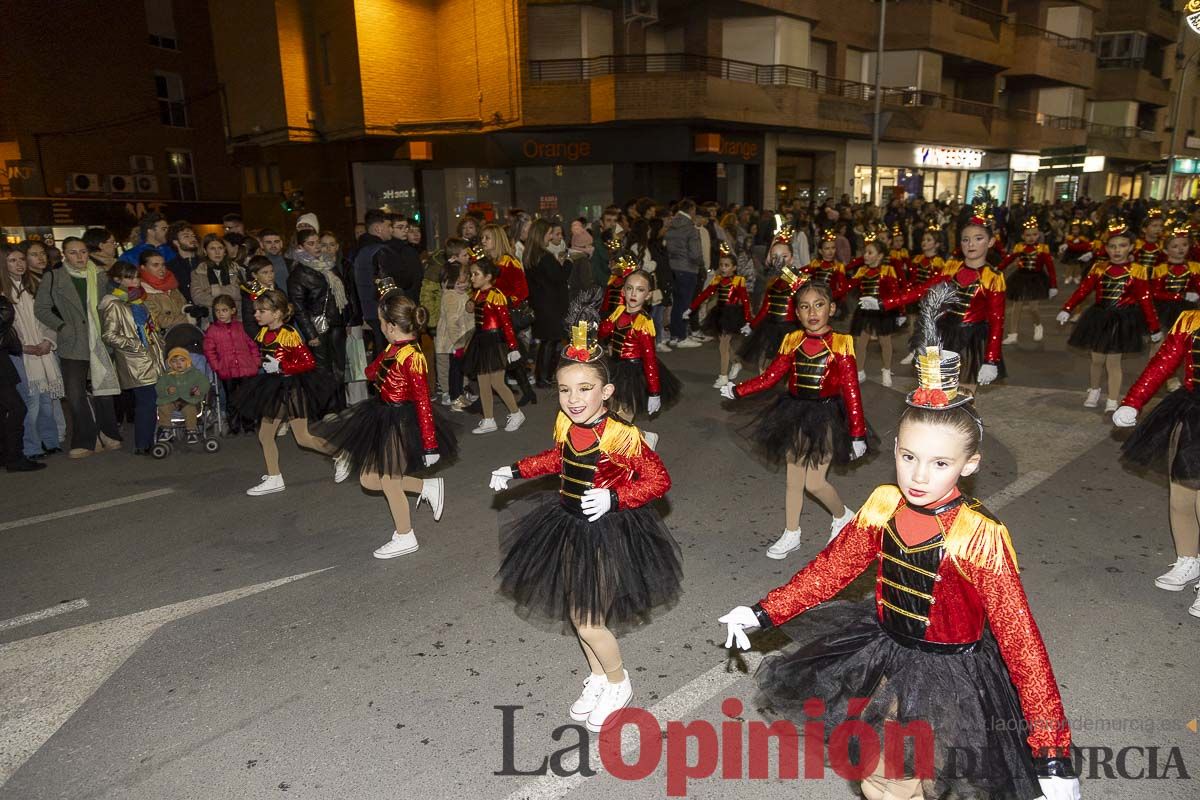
<point>1185,570</point>
<point>1039,333</point>
<point>683,343</point>
<point>341,468</point>
<point>862,375</point>
<point>433,491</point>
<point>908,359</point>
<point>485,426</point>
<point>662,347</point>
<point>1010,339</point>
<point>835,527</point>
<point>1110,406</point>
<point>734,370</point>
<point>283,429</point>
<point>593,687</point>
<point>514,421</point>
<point>672,343</point>
<point>444,398</point>
<point>613,697</point>
<point>701,337</point>
<point>1172,384</point>
<point>1093,398</point>
<point>270,485</point>
<point>651,439</point>
<point>1194,608</point>
<point>785,544</point>
<point>885,377</point>
<point>398,545</point>
<point>721,380</point>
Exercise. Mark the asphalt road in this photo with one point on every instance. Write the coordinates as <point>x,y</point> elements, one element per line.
<point>213,645</point>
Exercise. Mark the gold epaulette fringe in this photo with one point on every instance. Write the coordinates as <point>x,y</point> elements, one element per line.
<point>993,280</point>
<point>497,298</point>
<point>880,506</point>
<point>980,540</point>
<point>1188,322</point>
<point>414,358</point>
<point>643,324</point>
<point>562,424</point>
<point>286,337</point>
<point>617,312</point>
<point>843,345</point>
<point>791,341</point>
<point>1139,272</point>
<point>618,437</point>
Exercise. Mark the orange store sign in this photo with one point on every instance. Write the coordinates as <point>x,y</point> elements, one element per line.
<point>556,151</point>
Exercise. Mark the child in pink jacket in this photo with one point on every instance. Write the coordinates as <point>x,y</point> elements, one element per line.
<point>231,353</point>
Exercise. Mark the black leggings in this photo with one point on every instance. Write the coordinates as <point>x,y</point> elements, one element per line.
<point>90,415</point>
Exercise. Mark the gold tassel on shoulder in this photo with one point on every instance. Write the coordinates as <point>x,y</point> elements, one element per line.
<point>1188,322</point>
<point>620,438</point>
<point>843,345</point>
<point>562,424</point>
<point>415,359</point>
<point>643,324</point>
<point>791,341</point>
<point>979,540</point>
<point>880,506</point>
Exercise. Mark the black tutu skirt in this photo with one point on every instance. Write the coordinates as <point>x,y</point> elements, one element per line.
<point>970,342</point>
<point>1168,439</point>
<point>309,395</point>
<point>726,319</point>
<point>1028,284</point>
<point>786,428</point>
<point>560,568</point>
<point>879,323</point>
<point>487,352</point>
<point>385,438</point>
<point>763,343</point>
<point>1169,311</point>
<point>1110,329</point>
<point>629,379</point>
<point>967,699</point>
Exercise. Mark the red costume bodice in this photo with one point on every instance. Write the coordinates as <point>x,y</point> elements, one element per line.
<point>779,304</point>
<point>831,274</point>
<point>1149,254</point>
<point>286,345</point>
<point>632,337</point>
<point>401,375</point>
<point>1119,286</point>
<point>729,290</point>
<point>1031,258</point>
<point>1181,347</point>
<point>491,314</point>
<point>875,281</point>
<point>1173,281</point>
<point>923,268</point>
<point>979,298</point>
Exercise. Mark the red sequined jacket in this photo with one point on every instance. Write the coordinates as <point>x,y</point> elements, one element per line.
<point>1080,245</point>
<point>730,291</point>
<point>1182,346</point>
<point>979,299</point>
<point>898,259</point>
<point>818,366</point>
<point>875,281</point>
<point>612,292</point>
<point>286,345</point>
<point>1173,281</point>
<point>401,376</point>
<point>925,267</point>
<point>620,462</point>
<point>491,314</point>
<point>1149,254</point>
<point>512,280</point>
<point>940,591</point>
<point>831,274</point>
<point>632,337</point>
<point>778,305</point>
<point>1032,258</point>
<point>1120,285</point>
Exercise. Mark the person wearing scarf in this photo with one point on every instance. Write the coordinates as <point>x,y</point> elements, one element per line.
<point>164,301</point>
<point>322,306</point>
<point>130,330</point>
<point>41,380</point>
<point>217,274</point>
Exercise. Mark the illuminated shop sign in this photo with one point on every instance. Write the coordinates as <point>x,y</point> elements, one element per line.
<point>1019,162</point>
<point>953,157</point>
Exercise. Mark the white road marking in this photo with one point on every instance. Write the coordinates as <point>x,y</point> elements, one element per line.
<point>70,512</point>
<point>53,611</point>
<point>1015,489</point>
<point>45,679</point>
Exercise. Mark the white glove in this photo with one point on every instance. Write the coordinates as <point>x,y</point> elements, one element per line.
<point>1157,336</point>
<point>596,503</point>
<point>746,329</point>
<point>987,374</point>
<point>738,621</point>
<point>1191,297</point>
<point>653,404</point>
<point>868,303</point>
<point>687,314</point>
<point>1055,788</point>
<point>1053,292</point>
<point>900,320</point>
<point>1086,257</point>
<point>514,356</point>
<point>500,479</point>
<point>1125,417</point>
<point>1063,317</point>
<point>857,449</point>
<point>727,392</point>
<point>432,458</point>
<point>271,365</point>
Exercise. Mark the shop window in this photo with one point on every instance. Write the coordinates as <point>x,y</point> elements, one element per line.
<point>160,24</point>
<point>181,174</point>
<point>172,107</point>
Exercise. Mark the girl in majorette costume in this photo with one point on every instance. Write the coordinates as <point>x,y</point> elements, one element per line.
<point>818,422</point>
<point>594,555</point>
<point>1121,316</point>
<point>898,255</point>
<point>289,388</point>
<point>777,316</point>
<point>493,345</point>
<point>1032,281</point>
<point>640,380</point>
<point>1194,251</point>
<point>1149,250</point>
<point>513,283</point>
<point>973,322</point>
<point>826,270</point>
<point>1076,251</point>
<point>620,269</point>
<point>729,317</point>
<point>926,266</point>
<point>948,637</point>
<point>874,280</point>
<point>1168,439</point>
<point>1175,283</point>
<point>399,431</point>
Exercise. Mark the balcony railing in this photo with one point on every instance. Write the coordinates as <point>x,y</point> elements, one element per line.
<point>1138,62</point>
<point>981,13</point>
<point>1067,42</point>
<point>1121,132</point>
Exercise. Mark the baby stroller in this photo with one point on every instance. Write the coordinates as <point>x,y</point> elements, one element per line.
<point>208,412</point>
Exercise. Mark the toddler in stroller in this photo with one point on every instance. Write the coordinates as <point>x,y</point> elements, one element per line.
<point>188,404</point>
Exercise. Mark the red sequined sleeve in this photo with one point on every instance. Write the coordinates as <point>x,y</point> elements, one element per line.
<point>373,368</point>
<point>704,295</point>
<point>646,345</point>
<point>839,286</point>
<point>1161,367</point>
<point>1024,653</point>
<point>851,394</point>
<point>649,480</point>
<point>995,316</point>
<point>743,299</point>
<point>899,297</point>
<point>547,462</point>
<point>1006,262</point>
<point>780,366</point>
<point>840,562</point>
<point>296,360</point>
<point>1089,285</point>
<point>504,323</point>
<point>418,375</point>
<point>1047,262</point>
<point>606,330</point>
<point>1141,288</point>
<point>512,280</point>
<point>763,310</point>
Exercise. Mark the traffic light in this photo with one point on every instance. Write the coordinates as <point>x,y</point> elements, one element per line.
<point>292,201</point>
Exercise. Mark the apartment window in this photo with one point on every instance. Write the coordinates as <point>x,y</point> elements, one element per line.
<point>326,63</point>
<point>181,174</point>
<point>160,23</point>
<point>172,108</point>
<point>261,179</point>
<point>1126,49</point>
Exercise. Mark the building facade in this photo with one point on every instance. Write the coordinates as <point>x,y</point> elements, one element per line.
<point>437,108</point>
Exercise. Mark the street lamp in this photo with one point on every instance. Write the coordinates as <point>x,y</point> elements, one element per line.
<point>1192,16</point>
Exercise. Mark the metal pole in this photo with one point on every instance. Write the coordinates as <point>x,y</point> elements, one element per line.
<point>1175,125</point>
<point>878,102</point>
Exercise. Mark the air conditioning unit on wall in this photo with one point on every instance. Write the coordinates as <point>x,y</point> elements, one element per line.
<point>145,184</point>
<point>79,182</point>
<point>118,184</point>
<point>140,164</point>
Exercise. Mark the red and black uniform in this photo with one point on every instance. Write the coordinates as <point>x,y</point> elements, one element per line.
<point>822,412</point>
<point>776,318</point>
<point>1076,247</point>
<point>297,391</point>
<point>634,368</point>
<point>732,310</point>
<point>390,432</point>
<point>898,259</point>
<point>973,326</point>
<point>924,267</point>
<point>1149,254</point>
<point>948,638</point>
<point>1034,276</point>
<point>616,283</point>
<point>1169,286</point>
<point>1177,417</point>
<point>831,274</point>
<point>493,339</point>
<point>612,571</point>
<point>877,282</point>
<point>1123,311</point>
<point>511,280</point>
